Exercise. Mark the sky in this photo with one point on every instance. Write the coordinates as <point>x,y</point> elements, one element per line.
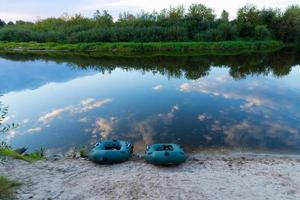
<point>31,10</point>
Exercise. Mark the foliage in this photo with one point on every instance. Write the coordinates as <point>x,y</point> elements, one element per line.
<point>131,48</point>
<point>225,16</point>
<point>262,33</point>
<point>290,25</point>
<point>195,23</point>
<point>6,150</point>
<point>6,187</point>
<point>2,23</point>
<point>103,19</point>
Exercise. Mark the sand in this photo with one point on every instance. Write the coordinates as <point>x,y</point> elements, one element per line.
<point>204,176</point>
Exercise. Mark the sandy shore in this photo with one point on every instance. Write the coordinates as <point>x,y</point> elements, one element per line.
<point>203,176</point>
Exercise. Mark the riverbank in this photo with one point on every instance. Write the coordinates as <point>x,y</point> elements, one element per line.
<point>157,48</point>
<point>203,176</point>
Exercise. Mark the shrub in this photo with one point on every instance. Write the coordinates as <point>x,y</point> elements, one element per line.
<point>262,33</point>
<point>19,35</point>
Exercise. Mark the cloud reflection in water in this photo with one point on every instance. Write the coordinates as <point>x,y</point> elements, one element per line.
<point>263,125</point>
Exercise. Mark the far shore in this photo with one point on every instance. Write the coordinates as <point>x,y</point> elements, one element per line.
<point>206,175</point>
<point>135,48</point>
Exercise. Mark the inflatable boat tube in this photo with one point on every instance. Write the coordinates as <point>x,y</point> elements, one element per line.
<point>111,151</point>
<point>165,154</point>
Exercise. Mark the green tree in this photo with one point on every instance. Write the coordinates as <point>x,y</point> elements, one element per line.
<point>202,12</point>
<point>2,23</point>
<point>174,24</point>
<point>103,18</point>
<point>225,16</point>
<point>228,31</point>
<point>126,18</point>
<point>290,25</point>
<point>262,33</point>
<point>199,18</point>
<point>176,12</point>
<point>247,19</point>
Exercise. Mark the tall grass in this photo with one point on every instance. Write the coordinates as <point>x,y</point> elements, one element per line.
<point>6,187</point>
<point>6,151</point>
<point>124,48</point>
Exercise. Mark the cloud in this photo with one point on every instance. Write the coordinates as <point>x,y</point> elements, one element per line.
<point>34,130</point>
<point>259,114</point>
<point>84,120</point>
<point>157,87</point>
<point>10,135</point>
<point>168,117</point>
<point>264,134</point>
<point>246,131</point>
<point>90,105</point>
<point>234,133</point>
<point>251,95</point>
<point>11,16</point>
<point>203,117</point>
<point>48,117</point>
<point>85,105</point>
<point>25,121</point>
<point>87,101</point>
<point>103,128</point>
<point>228,88</point>
<point>145,131</point>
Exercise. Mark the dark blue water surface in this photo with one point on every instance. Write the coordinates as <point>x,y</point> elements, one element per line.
<point>247,102</point>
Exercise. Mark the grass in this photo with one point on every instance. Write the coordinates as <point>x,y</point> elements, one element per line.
<point>81,151</point>
<point>6,187</point>
<point>35,156</point>
<point>129,48</point>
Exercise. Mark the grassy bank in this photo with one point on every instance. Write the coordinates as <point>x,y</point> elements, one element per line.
<point>35,156</point>
<point>131,48</point>
<point>6,187</point>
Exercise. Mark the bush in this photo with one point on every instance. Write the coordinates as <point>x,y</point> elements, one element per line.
<point>210,35</point>
<point>130,33</point>
<point>174,24</point>
<point>262,33</point>
<point>228,31</point>
<point>19,35</point>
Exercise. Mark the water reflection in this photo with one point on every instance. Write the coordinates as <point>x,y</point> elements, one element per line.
<point>278,63</point>
<point>245,101</point>
<point>269,118</point>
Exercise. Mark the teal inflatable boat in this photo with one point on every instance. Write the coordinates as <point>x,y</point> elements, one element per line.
<point>111,151</point>
<point>165,154</point>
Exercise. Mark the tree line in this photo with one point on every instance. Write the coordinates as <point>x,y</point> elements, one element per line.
<point>195,23</point>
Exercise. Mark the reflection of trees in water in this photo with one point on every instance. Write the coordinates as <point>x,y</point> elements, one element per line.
<point>278,63</point>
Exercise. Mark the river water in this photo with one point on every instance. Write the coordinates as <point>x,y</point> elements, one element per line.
<point>245,102</point>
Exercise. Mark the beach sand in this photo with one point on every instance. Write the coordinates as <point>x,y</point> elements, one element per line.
<point>204,176</point>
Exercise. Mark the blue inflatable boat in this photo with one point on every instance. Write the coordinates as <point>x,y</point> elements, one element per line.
<point>111,151</point>
<point>165,154</point>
